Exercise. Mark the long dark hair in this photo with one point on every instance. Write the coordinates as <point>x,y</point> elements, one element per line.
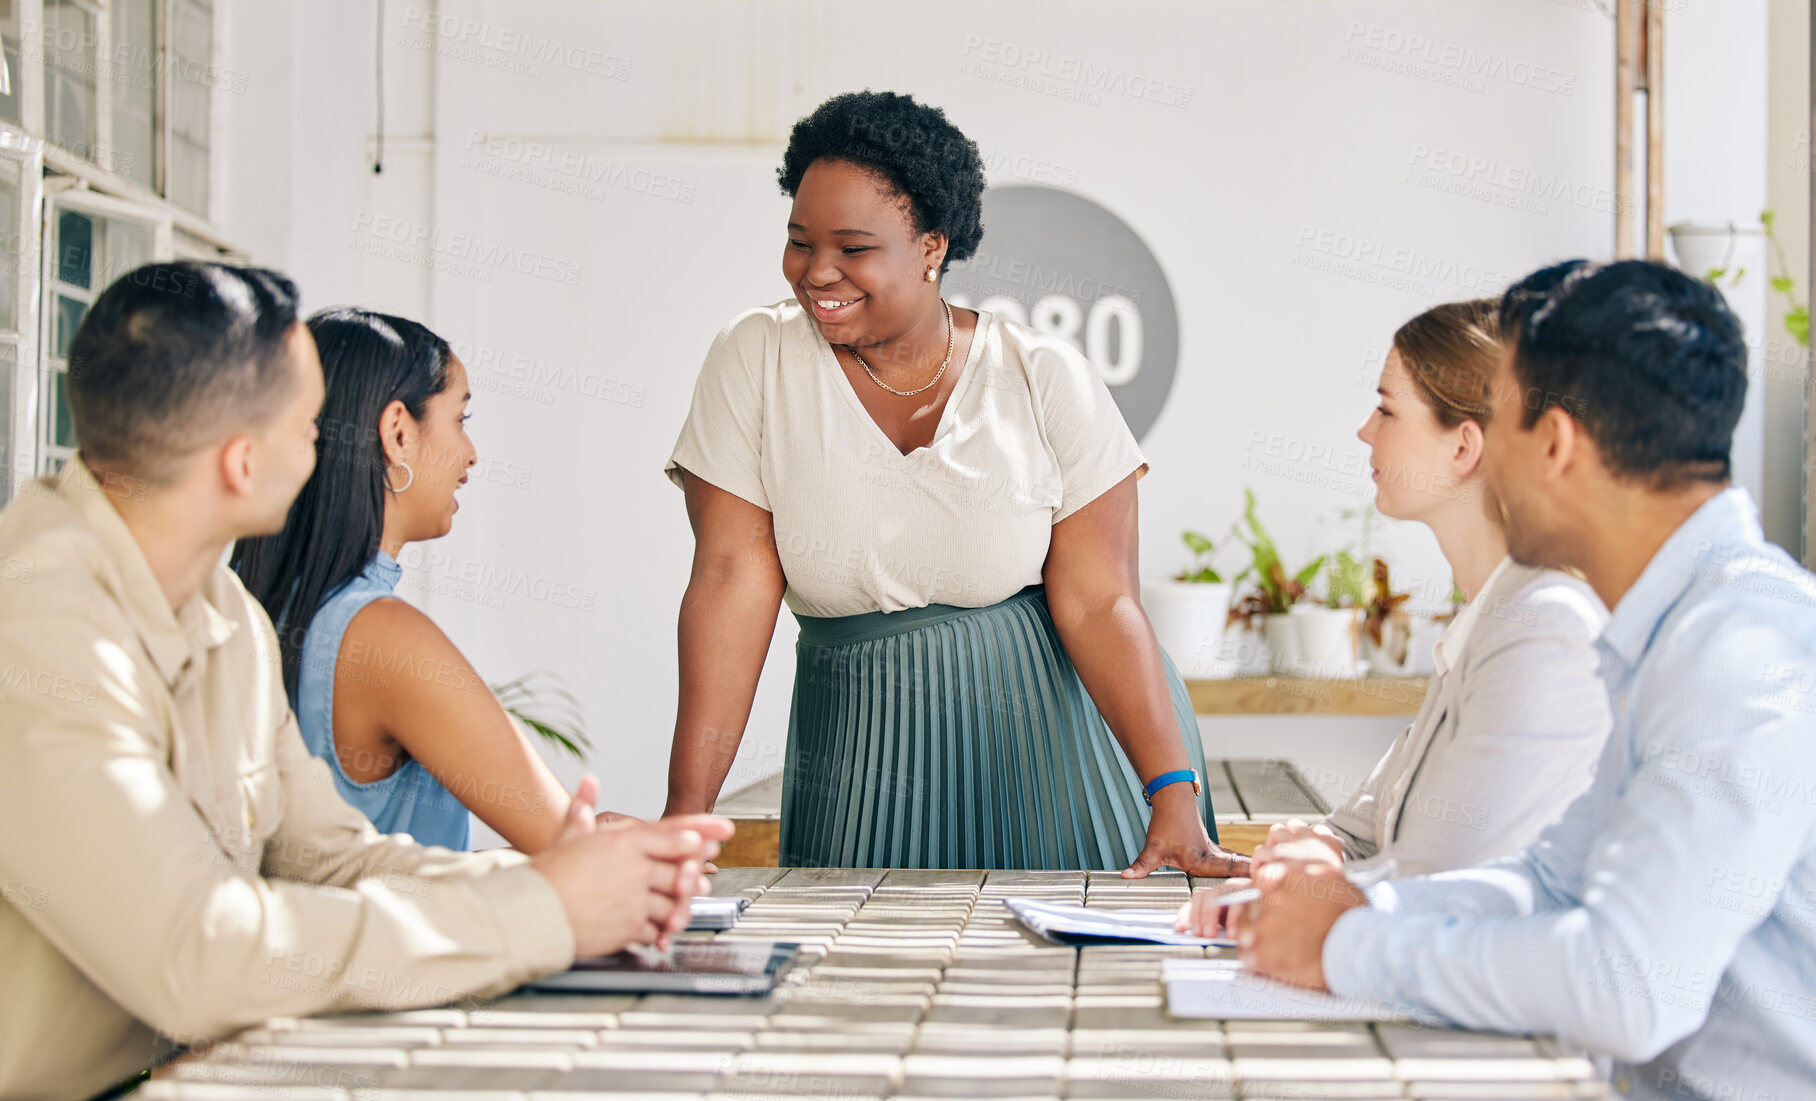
<point>369,360</point>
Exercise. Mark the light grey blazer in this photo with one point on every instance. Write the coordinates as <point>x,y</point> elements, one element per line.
<point>1509,733</point>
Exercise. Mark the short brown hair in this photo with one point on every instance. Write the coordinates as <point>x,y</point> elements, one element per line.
<point>1451,353</point>
<point>173,353</point>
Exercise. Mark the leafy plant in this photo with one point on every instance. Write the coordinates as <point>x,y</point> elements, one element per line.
<point>1345,581</point>
<point>1200,570</point>
<point>546,708</point>
<point>1277,590</point>
<point>1796,314</point>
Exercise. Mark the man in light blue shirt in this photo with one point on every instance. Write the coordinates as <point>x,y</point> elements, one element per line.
<point>1669,919</point>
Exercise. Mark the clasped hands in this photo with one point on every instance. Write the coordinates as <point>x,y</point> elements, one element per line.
<point>1299,871</point>
<point>623,881</point>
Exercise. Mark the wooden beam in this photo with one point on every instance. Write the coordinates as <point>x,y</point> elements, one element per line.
<point>1655,129</point>
<point>1626,81</point>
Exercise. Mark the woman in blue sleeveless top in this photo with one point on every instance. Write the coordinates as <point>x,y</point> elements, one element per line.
<point>412,735</point>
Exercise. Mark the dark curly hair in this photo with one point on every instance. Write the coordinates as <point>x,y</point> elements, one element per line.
<point>926,159</point>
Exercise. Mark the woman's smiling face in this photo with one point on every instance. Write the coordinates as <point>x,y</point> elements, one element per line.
<point>854,258</point>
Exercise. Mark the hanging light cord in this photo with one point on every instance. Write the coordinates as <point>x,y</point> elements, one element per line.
<point>378,155</point>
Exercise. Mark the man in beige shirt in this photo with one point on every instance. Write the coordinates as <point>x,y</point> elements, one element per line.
<point>174,865</point>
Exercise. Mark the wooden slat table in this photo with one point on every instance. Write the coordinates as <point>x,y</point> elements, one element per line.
<point>1247,795</point>
<point>919,985</point>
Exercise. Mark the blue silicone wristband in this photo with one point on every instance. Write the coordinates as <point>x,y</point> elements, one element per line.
<point>1165,778</point>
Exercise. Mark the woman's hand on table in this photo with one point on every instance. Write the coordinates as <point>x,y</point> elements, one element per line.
<point>1177,838</point>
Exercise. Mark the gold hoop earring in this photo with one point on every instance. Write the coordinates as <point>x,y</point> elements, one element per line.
<point>409,478</point>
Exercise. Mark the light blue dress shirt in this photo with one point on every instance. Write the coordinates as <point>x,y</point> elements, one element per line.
<point>1669,919</point>
<point>410,800</point>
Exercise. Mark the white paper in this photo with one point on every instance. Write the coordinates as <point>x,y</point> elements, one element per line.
<point>1064,923</point>
<point>1222,990</point>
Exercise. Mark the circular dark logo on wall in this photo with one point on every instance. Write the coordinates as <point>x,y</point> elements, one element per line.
<point>1058,262</point>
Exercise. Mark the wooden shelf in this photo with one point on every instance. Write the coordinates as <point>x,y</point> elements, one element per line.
<point>1272,695</point>
<point>1248,796</point>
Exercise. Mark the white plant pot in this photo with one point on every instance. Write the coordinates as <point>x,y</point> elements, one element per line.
<point>1739,249</point>
<point>1244,653</point>
<point>1188,618</point>
<point>1327,641</point>
<point>1282,637</point>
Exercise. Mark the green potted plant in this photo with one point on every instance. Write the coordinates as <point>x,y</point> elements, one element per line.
<point>1327,630</point>
<point>1303,635</point>
<point>1188,610</point>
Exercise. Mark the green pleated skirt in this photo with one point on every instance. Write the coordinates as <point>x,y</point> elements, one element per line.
<point>945,737</point>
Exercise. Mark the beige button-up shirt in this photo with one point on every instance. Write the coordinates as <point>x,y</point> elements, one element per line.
<point>174,865</point>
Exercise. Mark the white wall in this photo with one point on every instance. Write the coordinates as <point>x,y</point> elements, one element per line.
<point>1715,171</point>
<point>1315,129</point>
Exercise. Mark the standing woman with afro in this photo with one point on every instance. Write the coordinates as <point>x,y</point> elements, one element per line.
<point>946,500</point>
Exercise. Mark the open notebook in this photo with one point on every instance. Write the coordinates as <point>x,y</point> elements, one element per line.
<point>1222,990</point>
<point>1078,925</point>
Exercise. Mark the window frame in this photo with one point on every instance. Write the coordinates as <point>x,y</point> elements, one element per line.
<point>19,459</point>
<point>102,208</point>
<point>53,178</point>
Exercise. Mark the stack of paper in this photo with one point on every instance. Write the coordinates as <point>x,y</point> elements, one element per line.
<point>1078,925</point>
<point>710,912</point>
<point>1222,990</point>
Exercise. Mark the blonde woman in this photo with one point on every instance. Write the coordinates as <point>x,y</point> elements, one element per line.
<point>1515,715</point>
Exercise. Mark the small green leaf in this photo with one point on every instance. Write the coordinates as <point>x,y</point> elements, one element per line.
<point>1198,543</point>
<point>1782,284</point>
<point>1766,218</point>
<point>1304,576</point>
<point>1797,323</point>
<point>1715,274</point>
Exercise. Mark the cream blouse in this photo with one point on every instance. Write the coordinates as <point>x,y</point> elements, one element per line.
<point>1028,436</point>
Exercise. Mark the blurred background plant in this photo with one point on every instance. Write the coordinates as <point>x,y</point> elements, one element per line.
<point>1200,570</point>
<point>537,700</point>
<point>1275,590</point>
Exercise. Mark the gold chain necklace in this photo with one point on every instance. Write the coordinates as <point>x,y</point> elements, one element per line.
<point>947,362</point>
